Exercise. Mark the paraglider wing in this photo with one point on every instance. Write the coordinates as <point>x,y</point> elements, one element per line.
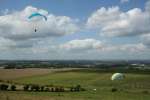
<point>117,76</point>
<point>37,14</point>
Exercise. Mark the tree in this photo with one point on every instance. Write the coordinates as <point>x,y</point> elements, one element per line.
<point>62,89</point>
<point>72,89</point>
<point>52,89</point>
<point>113,89</point>
<point>78,88</point>
<point>26,87</point>
<point>13,87</point>
<point>42,88</point>
<point>47,89</point>
<point>3,87</point>
<point>56,89</point>
<point>35,88</point>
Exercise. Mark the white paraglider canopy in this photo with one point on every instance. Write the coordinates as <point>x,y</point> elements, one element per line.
<point>117,76</point>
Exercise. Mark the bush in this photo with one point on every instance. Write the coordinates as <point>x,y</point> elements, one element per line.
<point>114,90</point>
<point>3,86</point>
<point>72,89</point>
<point>47,89</point>
<point>62,89</point>
<point>13,87</point>
<point>82,89</point>
<point>52,89</point>
<point>35,88</point>
<point>78,88</point>
<point>145,92</point>
<point>26,87</point>
<point>42,88</point>
<point>57,89</point>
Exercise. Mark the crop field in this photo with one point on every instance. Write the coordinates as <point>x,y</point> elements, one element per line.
<point>135,86</point>
<point>9,74</point>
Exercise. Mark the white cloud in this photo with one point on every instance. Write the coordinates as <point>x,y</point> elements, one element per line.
<point>73,48</point>
<point>114,22</point>
<point>98,46</point>
<point>140,47</point>
<point>146,39</point>
<point>17,31</point>
<point>16,26</point>
<point>128,48</point>
<point>82,45</point>
<point>44,46</point>
<point>6,43</point>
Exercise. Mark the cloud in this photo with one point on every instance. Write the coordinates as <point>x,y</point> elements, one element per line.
<point>76,48</point>
<point>82,45</point>
<point>129,48</point>
<point>17,31</point>
<point>146,39</point>
<point>98,46</point>
<point>44,46</point>
<point>16,26</point>
<point>113,22</point>
<point>17,36</point>
<point>6,43</point>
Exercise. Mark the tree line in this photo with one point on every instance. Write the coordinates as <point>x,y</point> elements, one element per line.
<point>38,88</point>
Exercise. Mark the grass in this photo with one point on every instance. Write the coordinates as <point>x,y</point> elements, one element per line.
<point>131,88</point>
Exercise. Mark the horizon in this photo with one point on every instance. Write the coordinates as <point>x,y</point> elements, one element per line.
<point>75,60</point>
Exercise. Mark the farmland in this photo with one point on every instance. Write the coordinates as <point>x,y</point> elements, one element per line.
<point>9,74</point>
<point>134,87</point>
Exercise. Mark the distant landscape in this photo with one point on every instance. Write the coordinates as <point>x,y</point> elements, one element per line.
<point>62,80</point>
<point>123,64</point>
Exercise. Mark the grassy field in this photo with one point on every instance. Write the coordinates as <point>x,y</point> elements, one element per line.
<point>135,86</point>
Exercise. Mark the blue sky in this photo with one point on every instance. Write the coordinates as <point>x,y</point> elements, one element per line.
<point>76,29</point>
<point>73,8</point>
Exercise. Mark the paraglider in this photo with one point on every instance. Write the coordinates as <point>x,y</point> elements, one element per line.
<point>117,76</point>
<point>35,30</point>
<point>37,15</point>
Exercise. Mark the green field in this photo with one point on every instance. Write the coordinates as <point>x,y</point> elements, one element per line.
<point>135,86</point>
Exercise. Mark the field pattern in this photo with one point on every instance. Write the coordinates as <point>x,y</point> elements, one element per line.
<point>134,87</point>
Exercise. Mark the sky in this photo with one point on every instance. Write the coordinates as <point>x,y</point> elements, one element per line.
<point>75,29</point>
